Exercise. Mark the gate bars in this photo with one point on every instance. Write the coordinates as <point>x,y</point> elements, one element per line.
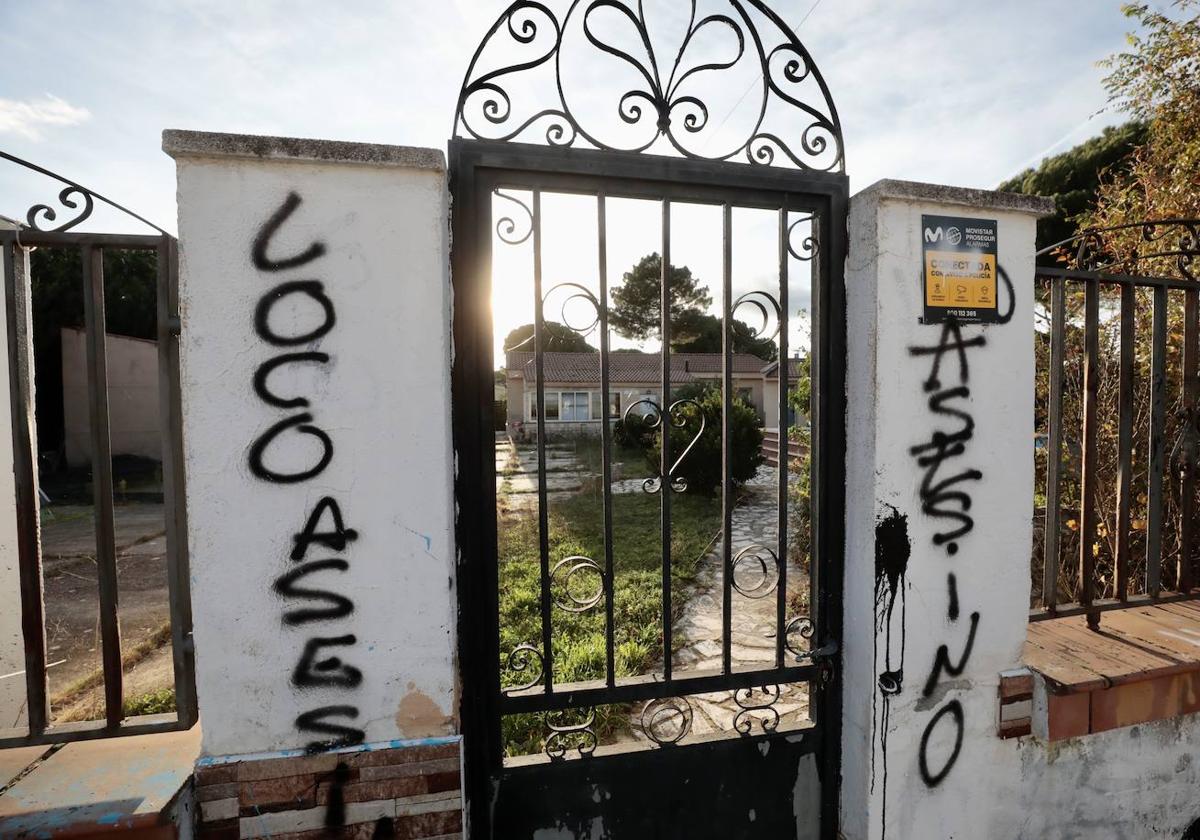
<point>542,171</point>
<point>1115,259</point>
<point>18,292</point>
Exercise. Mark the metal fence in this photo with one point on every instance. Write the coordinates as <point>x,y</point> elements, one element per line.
<point>1118,337</point>
<point>14,248</point>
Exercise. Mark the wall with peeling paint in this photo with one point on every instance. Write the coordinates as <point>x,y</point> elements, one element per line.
<point>906,698</point>
<point>355,631</point>
<point>959,586</point>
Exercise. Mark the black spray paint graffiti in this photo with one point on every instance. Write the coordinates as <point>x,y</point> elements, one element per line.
<point>946,497</point>
<point>318,665</point>
<point>893,548</point>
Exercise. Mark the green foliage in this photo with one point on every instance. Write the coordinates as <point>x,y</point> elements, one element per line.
<point>702,468</point>
<point>1073,178</point>
<point>800,397</point>
<point>576,528</point>
<point>157,702</point>
<point>636,311</point>
<point>699,332</point>
<point>1156,80</point>
<point>556,337</point>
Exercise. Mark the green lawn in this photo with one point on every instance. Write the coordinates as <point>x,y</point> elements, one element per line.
<point>576,528</point>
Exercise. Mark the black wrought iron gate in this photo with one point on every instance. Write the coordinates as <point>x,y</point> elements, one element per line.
<point>622,679</point>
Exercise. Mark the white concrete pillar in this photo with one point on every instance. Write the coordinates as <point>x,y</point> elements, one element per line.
<point>939,514</point>
<point>316,417</point>
<point>13,708</point>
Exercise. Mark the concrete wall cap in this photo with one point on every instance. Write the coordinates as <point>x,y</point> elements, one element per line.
<point>183,144</point>
<point>981,199</point>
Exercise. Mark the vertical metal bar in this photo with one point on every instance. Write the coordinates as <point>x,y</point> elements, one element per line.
<point>726,438</point>
<point>543,513</point>
<point>1087,513</point>
<point>784,384</point>
<point>1052,539</point>
<point>826,341</point>
<point>29,554</point>
<point>175,518</point>
<point>1125,440</point>
<point>1187,502</point>
<point>102,489</point>
<point>606,441</point>
<point>665,450</point>
<point>1158,408</point>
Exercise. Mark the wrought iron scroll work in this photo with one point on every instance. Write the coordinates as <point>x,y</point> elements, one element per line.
<point>756,705</point>
<point>1128,249</point>
<point>74,197</point>
<point>562,575</point>
<point>654,420</point>
<point>763,575</point>
<point>526,658</point>
<point>667,721</point>
<point>672,98</point>
<point>566,736</point>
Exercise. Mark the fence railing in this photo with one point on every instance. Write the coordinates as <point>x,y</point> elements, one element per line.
<point>1118,339</point>
<point>92,247</point>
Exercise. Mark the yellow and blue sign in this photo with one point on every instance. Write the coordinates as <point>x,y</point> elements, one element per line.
<point>959,258</point>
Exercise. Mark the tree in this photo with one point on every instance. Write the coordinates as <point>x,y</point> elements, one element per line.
<point>556,338</point>
<point>1073,178</point>
<point>698,332</point>
<point>1157,80</point>
<point>635,312</point>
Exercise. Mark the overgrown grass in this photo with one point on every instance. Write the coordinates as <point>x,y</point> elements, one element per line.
<point>576,529</point>
<point>157,702</point>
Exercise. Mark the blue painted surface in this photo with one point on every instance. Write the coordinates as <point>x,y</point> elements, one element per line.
<point>213,760</point>
<point>110,783</point>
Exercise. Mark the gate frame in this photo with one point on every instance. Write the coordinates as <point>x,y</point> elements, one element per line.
<point>18,306</point>
<point>472,413</point>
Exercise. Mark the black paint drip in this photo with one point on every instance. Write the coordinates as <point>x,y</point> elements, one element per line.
<point>893,549</point>
<point>335,814</point>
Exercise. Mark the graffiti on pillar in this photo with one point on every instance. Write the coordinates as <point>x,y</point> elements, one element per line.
<point>308,586</point>
<point>945,492</point>
<point>893,548</point>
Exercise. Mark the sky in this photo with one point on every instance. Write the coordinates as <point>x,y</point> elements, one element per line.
<point>966,93</point>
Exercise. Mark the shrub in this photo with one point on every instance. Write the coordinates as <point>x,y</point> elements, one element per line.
<point>702,468</point>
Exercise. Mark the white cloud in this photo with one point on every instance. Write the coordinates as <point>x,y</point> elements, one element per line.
<point>26,118</point>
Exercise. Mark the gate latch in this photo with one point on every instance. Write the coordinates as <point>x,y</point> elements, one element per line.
<point>822,657</point>
<point>825,651</point>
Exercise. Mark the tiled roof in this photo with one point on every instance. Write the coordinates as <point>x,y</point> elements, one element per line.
<point>627,368</point>
<point>771,371</point>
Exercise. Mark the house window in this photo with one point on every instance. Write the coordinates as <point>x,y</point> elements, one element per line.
<point>614,404</point>
<point>576,406</point>
<point>746,395</point>
<point>551,406</point>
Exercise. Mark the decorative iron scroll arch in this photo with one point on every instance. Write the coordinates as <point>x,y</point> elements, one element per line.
<point>794,123</point>
<point>77,200</point>
<point>1135,248</point>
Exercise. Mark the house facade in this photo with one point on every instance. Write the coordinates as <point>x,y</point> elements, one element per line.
<point>574,404</point>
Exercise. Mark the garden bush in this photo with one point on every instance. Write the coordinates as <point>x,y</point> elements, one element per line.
<point>702,467</point>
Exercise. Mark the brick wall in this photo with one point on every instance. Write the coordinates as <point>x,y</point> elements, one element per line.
<point>408,793</point>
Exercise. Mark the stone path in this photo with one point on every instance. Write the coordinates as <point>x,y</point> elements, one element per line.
<point>517,473</point>
<point>753,624</point>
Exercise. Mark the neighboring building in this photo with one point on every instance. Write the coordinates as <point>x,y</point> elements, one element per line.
<point>134,426</point>
<point>572,386</point>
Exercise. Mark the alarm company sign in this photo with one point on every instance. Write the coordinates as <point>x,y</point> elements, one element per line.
<point>959,269</point>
